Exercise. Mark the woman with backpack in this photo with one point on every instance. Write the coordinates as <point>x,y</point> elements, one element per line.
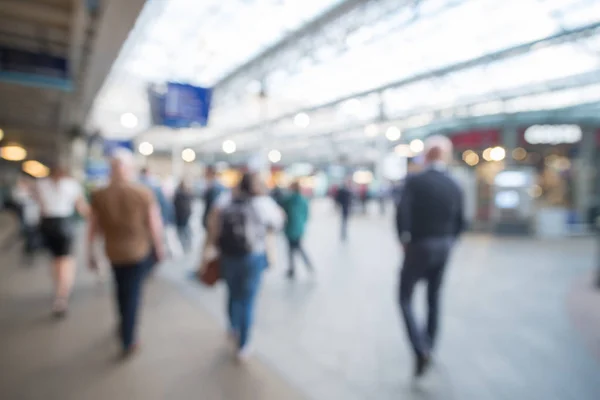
<point>238,227</point>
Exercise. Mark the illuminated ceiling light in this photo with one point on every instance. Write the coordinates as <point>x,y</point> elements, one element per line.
<point>302,120</point>
<point>403,150</point>
<point>229,147</point>
<point>129,120</point>
<point>417,146</point>
<point>1,134</point>
<point>393,133</point>
<point>519,154</point>
<point>487,154</point>
<point>471,159</point>
<point>274,156</point>
<point>466,154</point>
<point>188,155</point>
<point>371,130</point>
<point>146,148</point>
<point>535,191</point>
<point>13,153</point>
<point>553,134</point>
<point>36,169</point>
<point>362,177</point>
<point>497,153</point>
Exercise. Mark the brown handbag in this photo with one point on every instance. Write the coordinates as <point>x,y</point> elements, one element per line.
<point>211,272</point>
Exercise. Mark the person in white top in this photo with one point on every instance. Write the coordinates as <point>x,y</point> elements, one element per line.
<point>59,197</point>
<point>238,226</point>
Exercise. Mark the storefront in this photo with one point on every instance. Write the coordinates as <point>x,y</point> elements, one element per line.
<point>474,149</point>
<point>553,151</point>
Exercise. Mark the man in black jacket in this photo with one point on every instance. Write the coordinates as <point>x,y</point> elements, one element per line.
<point>429,219</point>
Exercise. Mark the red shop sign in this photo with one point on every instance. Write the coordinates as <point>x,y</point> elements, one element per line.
<point>476,139</point>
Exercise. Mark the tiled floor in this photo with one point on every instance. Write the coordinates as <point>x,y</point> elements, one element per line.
<point>184,354</point>
<point>506,333</point>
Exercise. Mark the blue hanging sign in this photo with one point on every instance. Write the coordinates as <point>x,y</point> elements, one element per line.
<point>180,105</point>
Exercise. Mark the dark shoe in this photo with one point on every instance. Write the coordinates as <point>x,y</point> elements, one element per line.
<point>423,362</point>
<point>130,351</point>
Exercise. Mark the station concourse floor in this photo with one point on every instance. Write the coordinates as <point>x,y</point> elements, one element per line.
<point>519,321</point>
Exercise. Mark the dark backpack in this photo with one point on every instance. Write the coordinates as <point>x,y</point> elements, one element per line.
<point>236,221</point>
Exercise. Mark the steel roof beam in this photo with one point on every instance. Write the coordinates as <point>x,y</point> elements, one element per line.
<point>312,27</point>
<point>571,82</point>
<point>511,52</point>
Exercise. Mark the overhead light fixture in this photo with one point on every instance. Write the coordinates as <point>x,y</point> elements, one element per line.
<point>274,156</point>
<point>1,134</point>
<point>471,158</point>
<point>302,120</point>
<point>487,154</point>
<point>393,133</point>
<point>519,154</point>
<point>129,120</point>
<point>362,177</point>
<point>188,155</point>
<point>146,149</point>
<point>371,130</point>
<point>13,153</point>
<point>229,147</point>
<point>403,150</point>
<point>497,153</point>
<point>417,146</point>
<point>35,169</point>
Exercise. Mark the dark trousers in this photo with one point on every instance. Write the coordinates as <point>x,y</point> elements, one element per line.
<point>424,260</point>
<point>345,216</point>
<point>129,279</point>
<point>243,275</point>
<point>295,246</point>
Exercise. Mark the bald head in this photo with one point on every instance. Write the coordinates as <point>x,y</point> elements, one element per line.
<point>122,163</point>
<point>438,148</point>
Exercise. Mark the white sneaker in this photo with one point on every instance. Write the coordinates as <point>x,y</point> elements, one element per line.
<point>243,354</point>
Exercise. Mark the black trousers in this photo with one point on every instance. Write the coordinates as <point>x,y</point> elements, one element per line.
<point>129,279</point>
<point>295,246</point>
<point>423,261</point>
<point>344,225</point>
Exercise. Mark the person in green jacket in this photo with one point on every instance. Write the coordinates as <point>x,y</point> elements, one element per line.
<point>295,206</point>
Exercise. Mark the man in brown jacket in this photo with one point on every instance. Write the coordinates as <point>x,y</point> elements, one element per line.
<point>126,215</point>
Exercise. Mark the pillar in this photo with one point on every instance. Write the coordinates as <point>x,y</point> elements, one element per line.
<point>583,166</point>
<point>510,141</point>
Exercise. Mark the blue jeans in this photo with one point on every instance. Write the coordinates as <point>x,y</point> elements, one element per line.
<point>242,275</point>
<point>129,279</point>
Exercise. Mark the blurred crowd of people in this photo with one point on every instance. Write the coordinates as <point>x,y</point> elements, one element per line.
<point>132,214</point>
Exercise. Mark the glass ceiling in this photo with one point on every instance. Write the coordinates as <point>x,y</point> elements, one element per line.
<point>196,42</point>
<point>398,42</point>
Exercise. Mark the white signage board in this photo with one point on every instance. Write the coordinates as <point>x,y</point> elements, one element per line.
<point>553,134</point>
